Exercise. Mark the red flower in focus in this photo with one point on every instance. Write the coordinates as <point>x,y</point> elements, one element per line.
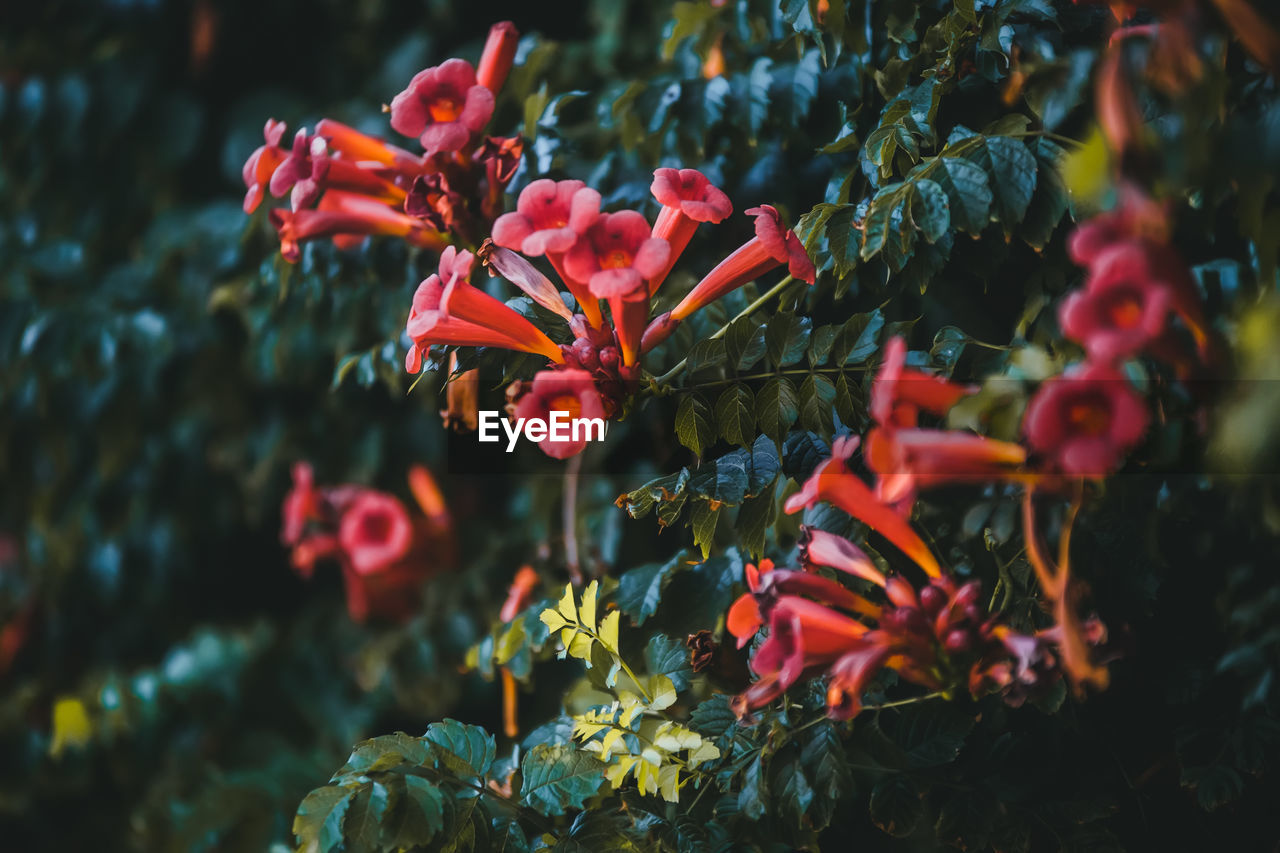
<point>349,215</point>
<point>1085,420</point>
<point>832,482</point>
<point>772,246</point>
<point>498,55</point>
<point>548,219</point>
<point>616,255</point>
<point>443,106</point>
<point>1123,306</point>
<point>375,532</point>
<point>448,310</point>
<point>688,199</point>
<point>262,164</point>
<point>571,391</point>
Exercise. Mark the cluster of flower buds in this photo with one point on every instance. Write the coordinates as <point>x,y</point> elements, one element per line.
<point>616,259</point>
<point>938,637</point>
<point>383,551</point>
<point>1085,421</point>
<point>346,185</point>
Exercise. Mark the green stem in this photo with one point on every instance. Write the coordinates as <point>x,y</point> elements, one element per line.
<point>719,333</point>
<point>937,694</point>
<point>772,373</point>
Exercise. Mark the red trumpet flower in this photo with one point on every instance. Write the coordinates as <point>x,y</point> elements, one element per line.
<point>262,164</point>
<point>349,215</point>
<point>832,482</point>
<point>448,310</point>
<point>498,55</point>
<point>688,199</point>
<point>572,392</point>
<point>1122,308</point>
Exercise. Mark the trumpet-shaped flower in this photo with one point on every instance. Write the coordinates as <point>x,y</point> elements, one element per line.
<point>343,214</point>
<point>262,164</point>
<point>1123,306</point>
<point>688,199</point>
<point>448,310</point>
<point>498,55</point>
<point>570,391</point>
<point>302,171</point>
<point>1085,420</point>
<point>616,255</point>
<point>375,532</point>
<point>443,106</point>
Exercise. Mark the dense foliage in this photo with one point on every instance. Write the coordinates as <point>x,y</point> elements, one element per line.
<point>937,503</point>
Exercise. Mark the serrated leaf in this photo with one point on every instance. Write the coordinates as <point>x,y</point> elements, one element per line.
<point>787,338</point>
<point>754,795</point>
<point>703,521</point>
<point>472,744</point>
<point>735,415</point>
<point>668,656</point>
<point>318,823</point>
<point>755,518</point>
<point>693,424</point>
<point>1011,171</point>
<point>559,777</point>
<point>362,827</point>
<point>744,342</point>
<point>777,407</point>
<point>640,589</point>
<point>930,210</point>
<point>817,404</point>
<point>895,806</point>
<point>858,339</point>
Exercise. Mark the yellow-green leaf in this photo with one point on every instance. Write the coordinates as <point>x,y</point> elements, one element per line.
<point>609,631</point>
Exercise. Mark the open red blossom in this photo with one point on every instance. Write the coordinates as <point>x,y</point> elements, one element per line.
<point>832,482</point>
<point>570,391</point>
<point>1123,307</point>
<point>1085,420</point>
<point>302,171</point>
<point>375,532</point>
<point>616,255</point>
<point>687,199</point>
<point>548,218</point>
<point>262,164</point>
<point>443,106</point>
<point>448,310</point>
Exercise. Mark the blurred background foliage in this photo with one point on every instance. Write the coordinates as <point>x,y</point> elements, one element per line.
<point>161,368</point>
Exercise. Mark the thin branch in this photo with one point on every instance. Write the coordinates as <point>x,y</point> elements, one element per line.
<point>569,518</point>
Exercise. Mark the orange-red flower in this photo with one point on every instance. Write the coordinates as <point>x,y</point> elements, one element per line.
<point>520,595</point>
<point>262,164</point>
<point>1122,307</point>
<point>570,391</point>
<point>349,215</point>
<point>688,199</point>
<point>498,55</point>
<point>448,310</point>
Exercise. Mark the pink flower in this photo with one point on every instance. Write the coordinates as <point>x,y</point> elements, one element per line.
<point>347,215</point>
<point>1123,306</point>
<point>443,106</point>
<point>262,164</point>
<point>616,255</point>
<point>572,391</point>
<point>1085,420</point>
<point>302,171</point>
<point>687,199</point>
<point>375,532</point>
<point>548,218</point>
<point>448,310</point>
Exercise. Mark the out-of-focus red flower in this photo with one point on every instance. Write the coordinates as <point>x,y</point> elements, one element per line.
<point>570,391</point>
<point>1123,306</point>
<point>832,482</point>
<point>1118,114</point>
<point>1085,420</point>
<point>443,106</point>
<point>520,594</point>
<point>262,164</point>
<point>688,199</point>
<point>302,171</point>
<point>498,55</point>
<point>899,393</point>
<point>448,310</point>
<point>375,532</point>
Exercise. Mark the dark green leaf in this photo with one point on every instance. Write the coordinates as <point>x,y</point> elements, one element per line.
<point>640,589</point>
<point>777,407</point>
<point>670,657</point>
<point>693,424</point>
<point>735,415</point>
<point>787,338</point>
<point>559,777</point>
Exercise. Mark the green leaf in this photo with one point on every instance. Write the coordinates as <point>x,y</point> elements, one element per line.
<point>896,806</point>
<point>363,825</point>
<point>848,404</point>
<point>777,407</point>
<point>703,521</point>
<point>706,356</point>
<point>820,344</point>
<point>735,415</point>
<point>792,792</point>
<point>1011,169</point>
<point>858,339</point>
<point>744,341</point>
<point>693,424</point>
<point>713,717</point>
<point>754,796</point>
<point>640,589</point>
<point>320,817</point>
<point>967,189</point>
<point>801,453</point>
<point>930,210</point>
<point>668,656</point>
<point>559,777</point>
<point>758,85</point>
<point>817,404</point>
<point>418,814</point>
<point>755,518</point>
<point>1049,204</point>
<point>787,338</point>
<point>472,744</point>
